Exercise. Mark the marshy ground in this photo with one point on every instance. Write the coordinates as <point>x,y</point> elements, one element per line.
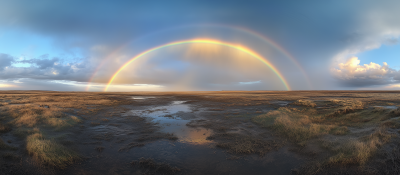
<point>225,132</point>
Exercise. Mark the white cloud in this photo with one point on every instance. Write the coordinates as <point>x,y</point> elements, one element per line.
<point>352,73</point>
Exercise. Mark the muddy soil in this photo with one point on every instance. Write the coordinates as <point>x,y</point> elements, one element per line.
<point>170,131</point>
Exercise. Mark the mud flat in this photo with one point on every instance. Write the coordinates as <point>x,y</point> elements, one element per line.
<point>227,132</point>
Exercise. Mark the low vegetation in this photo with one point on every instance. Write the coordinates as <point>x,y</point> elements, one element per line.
<point>358,151</point>
<point>294,125</point>
<point>242,144</point>
<point>49,152</point>
<point>345,130</point>
<point>151,167</point>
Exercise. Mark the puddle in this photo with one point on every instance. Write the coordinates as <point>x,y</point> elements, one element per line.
<point>141,97</point>
<point>280,103</point>
<point>386,107</point>
<point>173,119</point>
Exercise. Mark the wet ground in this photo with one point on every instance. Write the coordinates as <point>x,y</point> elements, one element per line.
<point>191,151</point>
<point>189,134</point>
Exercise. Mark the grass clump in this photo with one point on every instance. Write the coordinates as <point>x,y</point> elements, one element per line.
<point>353,152</point>
<point>300,129</point>
<point>340,130</point>
<point>60,123</point>
<point>32,115</point>
<point>48,152</point>
<point>394,124</point>
<point>23,132</point>
<point>358,152</point>
<point>307,103</point>
<point>240,144</point>
<point>292,124</point>
<point>153,167</point>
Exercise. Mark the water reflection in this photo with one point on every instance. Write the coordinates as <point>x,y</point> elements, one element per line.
<point>173,119</point>
<point>387,107</point>
<point>141,97</point>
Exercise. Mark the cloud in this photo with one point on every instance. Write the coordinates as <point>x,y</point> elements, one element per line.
<point>44,68</point>
<point>43,62</point>
<point>5,61</point>
<point>351,73</point>
<point>37,84</point>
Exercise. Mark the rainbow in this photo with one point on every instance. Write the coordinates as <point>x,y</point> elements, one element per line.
<point>205,41</point>
<point>276,46</point>
<point>242,29</point>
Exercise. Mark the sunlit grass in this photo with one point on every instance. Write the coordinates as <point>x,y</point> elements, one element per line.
<point>359,151</point>
<point>48,152</point>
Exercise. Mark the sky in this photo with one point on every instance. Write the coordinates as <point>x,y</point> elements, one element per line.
<point>199,45</point>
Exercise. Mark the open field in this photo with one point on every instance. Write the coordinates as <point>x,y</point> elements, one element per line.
<point>225,132</point>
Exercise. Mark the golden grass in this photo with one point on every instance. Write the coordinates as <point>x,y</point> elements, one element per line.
<point>340,130</point>
<point>48,152</point>
<point>307,103</point>
<point>358,152</point>
<point>23,132</point>
<point>293,125</point>
<point>31,116</point>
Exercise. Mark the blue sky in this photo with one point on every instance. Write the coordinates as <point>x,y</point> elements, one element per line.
<point>385,53</point>
<point>54,45</point>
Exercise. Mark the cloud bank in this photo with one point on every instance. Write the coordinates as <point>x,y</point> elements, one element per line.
<point>351,73</point>
<point>43,68</point>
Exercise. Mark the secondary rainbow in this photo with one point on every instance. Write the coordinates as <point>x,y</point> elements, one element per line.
<point>204,41</point>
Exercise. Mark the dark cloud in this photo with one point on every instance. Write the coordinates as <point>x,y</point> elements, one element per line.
<point>5,61</point>
<point>44,68</point>
<point>43,62</point>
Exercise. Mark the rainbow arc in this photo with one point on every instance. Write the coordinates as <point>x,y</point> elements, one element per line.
<point>204,41</point>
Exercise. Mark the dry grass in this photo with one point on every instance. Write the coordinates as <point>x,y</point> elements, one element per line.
<point>241,144</point>
<point>358,152</point>
<point>293,125</point>
<point>340,130</point>
<point>153,167</point>
<point>48,152</point>
<point>31,116</point>
<point>23,132</point>
<point>307,103</point>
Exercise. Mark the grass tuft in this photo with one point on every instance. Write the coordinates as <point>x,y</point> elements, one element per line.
<point>48,152</point>
<point>307,103</point>
<point>161,168</point>
<point>340,130</point>
<point>358,152</point>
<point>293,125</point>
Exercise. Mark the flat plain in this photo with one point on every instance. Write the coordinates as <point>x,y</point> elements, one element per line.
<point>219,132</point>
